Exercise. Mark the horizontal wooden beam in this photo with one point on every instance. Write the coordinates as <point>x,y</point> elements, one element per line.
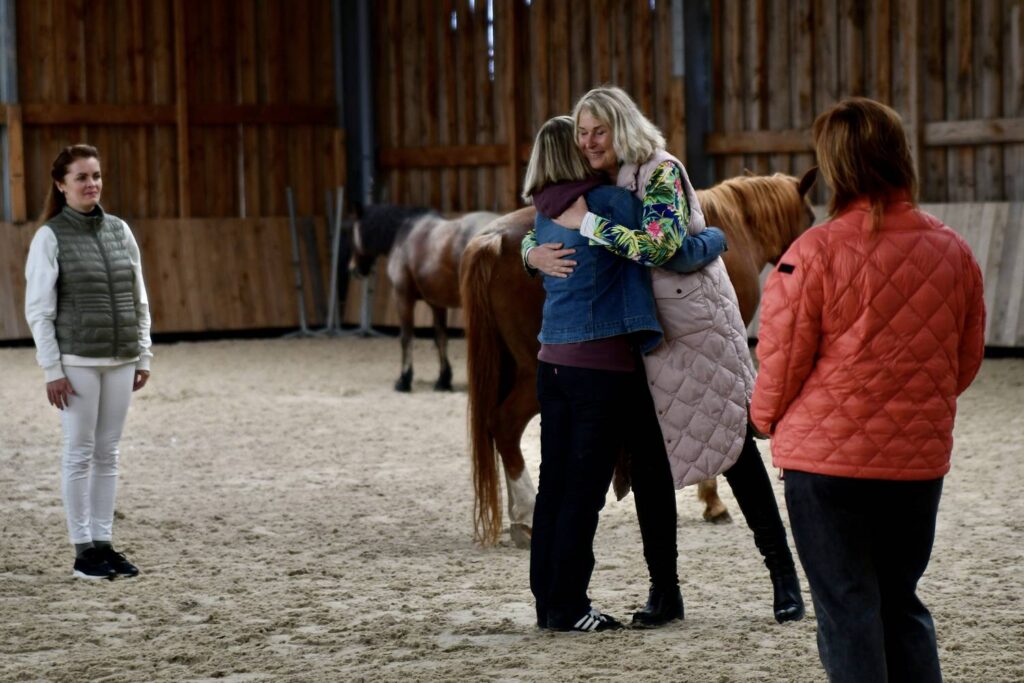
<point>977,132</point>
<point>278,114</point>
<point>936,134</point>
<point>447,157</point>
<point>166,114</point>
<point>759,141</point>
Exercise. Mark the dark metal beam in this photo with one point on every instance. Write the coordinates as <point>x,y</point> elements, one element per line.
<point>692,19</point>
<point>356,35</point>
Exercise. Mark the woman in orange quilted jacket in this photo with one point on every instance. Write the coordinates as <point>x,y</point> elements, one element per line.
<point>871,326</point>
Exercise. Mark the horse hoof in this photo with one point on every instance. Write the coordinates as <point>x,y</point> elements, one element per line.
<point>405,386</point>
<point>442,386</point>
<point>520,534</point>
<point>720,517</point>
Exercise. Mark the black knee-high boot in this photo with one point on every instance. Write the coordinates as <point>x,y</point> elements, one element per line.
<point>753,490</point>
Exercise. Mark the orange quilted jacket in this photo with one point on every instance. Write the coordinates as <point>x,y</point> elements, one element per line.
<point>866,340</point>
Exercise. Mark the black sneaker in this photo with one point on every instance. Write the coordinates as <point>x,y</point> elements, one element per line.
<point>118,562</point>
<point>92,564</point>
<point>594,621</point>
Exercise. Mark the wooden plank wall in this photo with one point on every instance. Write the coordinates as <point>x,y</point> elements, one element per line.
<point>455,121</point>
<point>202,274</point>
<point>954,69</point>
<point>253,78</point>
<point>995,233</point>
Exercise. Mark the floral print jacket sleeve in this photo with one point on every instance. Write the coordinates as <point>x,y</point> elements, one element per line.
<point>666,215</point>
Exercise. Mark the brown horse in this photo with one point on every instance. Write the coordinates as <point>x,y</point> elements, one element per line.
<point>423,252</point>
<point>761,216</point>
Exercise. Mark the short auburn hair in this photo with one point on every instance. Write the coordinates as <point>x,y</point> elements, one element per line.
<point>863,151</point>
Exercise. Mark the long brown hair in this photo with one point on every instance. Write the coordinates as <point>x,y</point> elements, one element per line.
<point>55,201</point>
<point>863,151</point>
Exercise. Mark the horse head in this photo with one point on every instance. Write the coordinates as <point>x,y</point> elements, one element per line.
<point>375,233</point>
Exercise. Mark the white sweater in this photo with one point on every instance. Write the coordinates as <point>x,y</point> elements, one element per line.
<point>41,271</point>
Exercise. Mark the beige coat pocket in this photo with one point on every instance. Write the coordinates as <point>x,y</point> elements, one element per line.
<point>682,303</point>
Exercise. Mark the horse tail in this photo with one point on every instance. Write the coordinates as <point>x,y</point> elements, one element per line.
<point>483,359</point>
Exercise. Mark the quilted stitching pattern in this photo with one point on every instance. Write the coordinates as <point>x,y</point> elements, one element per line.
<point>865,347</point>
<point>702,376</point>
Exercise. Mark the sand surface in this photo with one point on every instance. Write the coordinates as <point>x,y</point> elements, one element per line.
<point>295,519</point>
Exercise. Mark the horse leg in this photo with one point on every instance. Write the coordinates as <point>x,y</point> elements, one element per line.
<point>714,509</point>
<point>405,311</point>
<point>444,378</point>
<point>508,423</point>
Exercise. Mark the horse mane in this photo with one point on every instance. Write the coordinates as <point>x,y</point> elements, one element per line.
<point>771,206</point>
<point>381,224</point>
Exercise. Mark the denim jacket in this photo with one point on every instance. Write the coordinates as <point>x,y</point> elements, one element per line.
<point>607,295</point>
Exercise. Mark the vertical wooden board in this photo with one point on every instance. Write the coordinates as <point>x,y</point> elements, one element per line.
<point>410,95</point>
<point>430,94</point>
<point>59,42</point>
<point>960,100</point>
<point>26,18</point>
<point>449,133</point>
<point>755,94</point>
<point>732,79</point>
<point>559,58</point>
<point>539,64</point>
<point>934,187</point>
<point>826,67</point>
<point>988,98</point>
<point>76,54</point>
<point>802,81</point>
<point>45,52</point>
<point>485,109</point>
<point>1013,95</point>
<point>467,54</point>
<point>878,47</point>
<point>12,280</point>
<point>851,48</point>
<point>778,99</point>
<point>579,50</point>
<point>643,68</point>
<point>1009,313</point>
<point>601,28</point>
<point>622,53</point>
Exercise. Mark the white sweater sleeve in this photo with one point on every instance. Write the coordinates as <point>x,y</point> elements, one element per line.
<point>141,301</point>
<point>41,272</point>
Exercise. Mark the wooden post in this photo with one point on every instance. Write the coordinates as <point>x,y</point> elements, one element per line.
<point>915,92</point>
<point>511,93</point>
<point>16,165</point>
<point>181,90</point>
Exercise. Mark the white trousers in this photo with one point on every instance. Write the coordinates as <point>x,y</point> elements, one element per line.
<point>93,421</point>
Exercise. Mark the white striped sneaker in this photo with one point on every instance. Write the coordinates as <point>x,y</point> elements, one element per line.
<point>595,621</point>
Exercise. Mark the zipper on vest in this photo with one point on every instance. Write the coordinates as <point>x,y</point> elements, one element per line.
<point>110,288</point>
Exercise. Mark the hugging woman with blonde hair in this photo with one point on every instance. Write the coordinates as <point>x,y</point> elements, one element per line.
<point>692,405</point>
<point>596,321</point>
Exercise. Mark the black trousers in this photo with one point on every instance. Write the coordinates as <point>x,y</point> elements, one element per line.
<point>581,414</point>
<point>654,493</point>
<point>864,544</point>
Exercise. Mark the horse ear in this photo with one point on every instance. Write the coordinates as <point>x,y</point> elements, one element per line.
<point>748,173</point>
<point>807,181</point>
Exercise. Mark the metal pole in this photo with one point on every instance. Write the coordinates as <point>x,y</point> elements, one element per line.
<point>300,293</point>
<point>691,29</point>
<point>8,93</point>
<point>333,319</point>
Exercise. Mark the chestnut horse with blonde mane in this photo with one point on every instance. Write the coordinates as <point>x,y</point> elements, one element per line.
<point>761,216</point>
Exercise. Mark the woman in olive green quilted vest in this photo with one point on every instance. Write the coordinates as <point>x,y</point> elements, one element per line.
<point>86,304</point>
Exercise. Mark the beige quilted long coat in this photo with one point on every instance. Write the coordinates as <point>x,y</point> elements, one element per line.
<point>702,376</point>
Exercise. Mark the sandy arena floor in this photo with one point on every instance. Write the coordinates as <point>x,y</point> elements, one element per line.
<point>297,520</point>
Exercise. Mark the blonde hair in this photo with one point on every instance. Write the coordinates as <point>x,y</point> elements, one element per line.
<point>634,137</point>
<point>555,157</point>
<point>863,151</point>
